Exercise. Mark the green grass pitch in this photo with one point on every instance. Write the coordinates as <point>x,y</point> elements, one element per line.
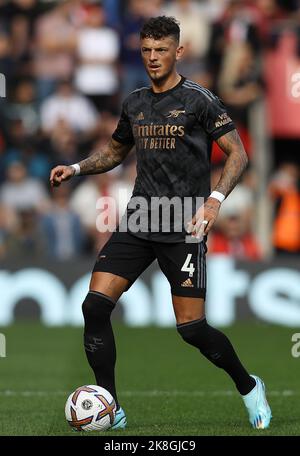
<point>165,386</point>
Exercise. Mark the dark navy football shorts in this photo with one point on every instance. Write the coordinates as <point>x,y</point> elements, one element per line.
<point>184,264</point>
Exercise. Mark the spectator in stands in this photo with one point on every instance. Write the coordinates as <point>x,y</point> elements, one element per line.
<point>54,47</point>
<point>37,162</point>
<point>8,222</point>
<point>195,33</point>
<point>115,184</point>
<point>84,203</point>
<point>12,139</point>
<point>269,15</point>
<point>195,29</point>
<point>113,12</point>
<point>231,237</point>
<point>236,25</point>
<point>22,147</point>
<point>7,64</point>
<point>23,106</point>
<point>97,51</point>
<point>233,231</point>
<point>61,228</point>
<point>70,107</point>
<point>240,83</point>
<point>22,15</point>
<point>64,143</point>
<point>25,238</point>
<point>285,190</point>
<point>133,72</point>
<point>21,192</point>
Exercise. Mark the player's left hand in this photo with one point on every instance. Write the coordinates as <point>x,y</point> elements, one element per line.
<point>204,218</point>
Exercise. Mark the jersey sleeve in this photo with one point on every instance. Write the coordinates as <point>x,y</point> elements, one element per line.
<point>123,133</point>
<point>214,118</point>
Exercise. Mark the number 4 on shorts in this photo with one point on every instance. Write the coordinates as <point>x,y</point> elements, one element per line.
<point>187,266</point>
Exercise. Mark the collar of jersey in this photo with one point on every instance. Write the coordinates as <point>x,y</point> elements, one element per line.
<point>158,94</point>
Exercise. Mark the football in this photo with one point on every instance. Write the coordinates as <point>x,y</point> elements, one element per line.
<point>90,408</point>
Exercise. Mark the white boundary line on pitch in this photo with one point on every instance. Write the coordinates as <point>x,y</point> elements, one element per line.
<point>154,393</point>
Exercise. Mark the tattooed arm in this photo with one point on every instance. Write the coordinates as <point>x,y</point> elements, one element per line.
<point>99,162</point>
<point>234,167</point>
<point>235,164</point>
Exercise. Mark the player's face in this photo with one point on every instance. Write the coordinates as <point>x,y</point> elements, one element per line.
<point>160,56</point>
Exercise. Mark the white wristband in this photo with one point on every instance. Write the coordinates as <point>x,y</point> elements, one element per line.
<point>217,195</point>
<point>76,168</point>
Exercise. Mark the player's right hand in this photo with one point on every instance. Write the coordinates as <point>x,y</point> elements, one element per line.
<point>60,174</point>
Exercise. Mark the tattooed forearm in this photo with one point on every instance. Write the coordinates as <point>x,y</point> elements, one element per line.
<point>108,158</point>
<point>235,164</point>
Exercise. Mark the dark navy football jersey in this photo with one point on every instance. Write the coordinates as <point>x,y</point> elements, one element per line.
<point>172,133</point>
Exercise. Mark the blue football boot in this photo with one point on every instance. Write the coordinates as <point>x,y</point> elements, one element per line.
<point>120,420</point>
<point>257,405</point>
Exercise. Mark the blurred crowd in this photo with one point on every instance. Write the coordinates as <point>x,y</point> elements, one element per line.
<point>69,64</point>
